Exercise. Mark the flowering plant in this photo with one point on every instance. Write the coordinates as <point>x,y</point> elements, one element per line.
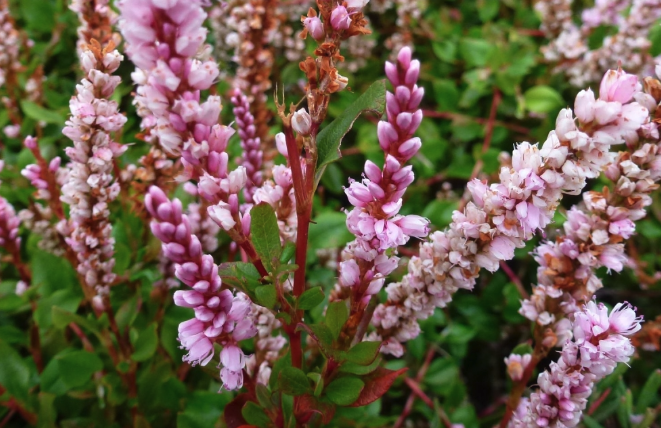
<point>174,262</point>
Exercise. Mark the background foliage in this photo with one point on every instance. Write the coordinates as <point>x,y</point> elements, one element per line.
<point>476,55</point>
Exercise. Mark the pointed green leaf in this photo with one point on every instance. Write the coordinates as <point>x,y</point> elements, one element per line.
<point>293,381</point>
<point>14,373</point>
<point>330,138</point>
<point>288,252</point>
<point>336,315</point>
<point>265,235</point>
<point>145,345</point>
<point>310,299</point>
<point>266,295</point>
<point>241,275</point>
<point>649,391</point>
<point>345,390</point>
<point>36,112</point>
<point>255,415</point>
<point>364,353</point>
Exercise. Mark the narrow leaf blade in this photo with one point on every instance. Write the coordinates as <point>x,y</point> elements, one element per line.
<point>330,138</point>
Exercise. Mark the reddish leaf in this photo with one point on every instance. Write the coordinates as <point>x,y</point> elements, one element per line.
<point>232,413</point>
<point>377,383</point>
<point>307,405</point>
<point>248,426</point>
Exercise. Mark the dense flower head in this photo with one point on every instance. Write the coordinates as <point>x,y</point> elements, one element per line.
<point>375,220</point>
<point>595,230</point>
<point>90,186</point>
<point>504,215</point>
<point>9,45</point>
<point>252,155</point>
<point>220,316</point>
<point>599,344</point>
<point>162,40</point>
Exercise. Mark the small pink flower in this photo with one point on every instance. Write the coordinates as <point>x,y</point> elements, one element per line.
<point>340,18</point>
<point>414,225</point>
<point>301,122</point>
<point>618,86</point>
<point>349,273</point>
<point>232,358</point>
<point>315,27</point>
<point>281,143</point>
<point>502,248</point>
<point>231,380</point>
<point>222,215</point>
<point>623,319</point>
<point>516,365</point>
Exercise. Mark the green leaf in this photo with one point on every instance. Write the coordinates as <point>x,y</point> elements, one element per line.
<point>242,275</point>
<point>127,313</point>
<point>14,373</point>
<point>310,299</point>
<point>288,252</point>
<point>67,299</point>
<point>487,9</point>
<point>318,383</point>
<point>359,369</point>
<point>266,295</point>
<point>345,390</point>
<point>649,391</point>
<point>36,112</point>
<point>279,365</point>
<point>446,93</point>
<point>591,422</point>
<point>265,235</point>
<point>336,315</point>
<point>146,343</point>
<point>321,332</point>
<point>475,52</point>
<point>69,370</point>
<point>445,50</point>
<point>543,99</point>
<point>293,381</point>
<point>364,353</point>
<point>288,411</point>
<point>330,138</point>
<point>39,14</point>
<point>203,409</point>
<point>255,415</point>
<point>263,395</point>
<point>47,413</point>
<point>62,318</point>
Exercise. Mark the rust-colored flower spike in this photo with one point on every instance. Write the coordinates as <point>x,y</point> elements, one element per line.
<point>256,62</point>
<point>96,22</point>
<point>333,23</point>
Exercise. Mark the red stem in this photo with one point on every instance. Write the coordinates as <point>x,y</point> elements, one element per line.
<point>418,378</point>
<point>597,403</point>
<point>303,211</point>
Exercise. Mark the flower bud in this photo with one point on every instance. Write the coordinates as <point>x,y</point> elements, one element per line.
<point>301,122</point>
<point>314,27</point>
<point>340,18</point>
<point>281,143</point>
<point>617,86</point>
